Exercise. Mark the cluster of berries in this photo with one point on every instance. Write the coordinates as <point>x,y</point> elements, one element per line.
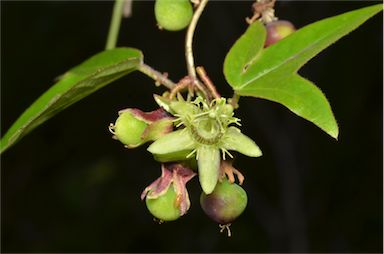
<point>189,138</point>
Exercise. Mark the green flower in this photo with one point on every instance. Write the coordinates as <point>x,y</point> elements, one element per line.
<point>205,133</point>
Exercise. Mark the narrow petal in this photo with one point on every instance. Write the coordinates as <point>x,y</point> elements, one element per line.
<point>181,176</point>
<point>173,142</point>
<point>149,188</point>
<point>149,117</point>
<point>233,139</point>
<point>160,185</point>
<point>209,167</point>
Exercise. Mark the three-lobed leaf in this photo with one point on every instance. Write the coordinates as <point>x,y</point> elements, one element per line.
<point>244,52</point>
<point>77,83</point>
<point>271,73</point>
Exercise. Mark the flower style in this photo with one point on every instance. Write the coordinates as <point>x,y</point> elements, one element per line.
<point>205,132</point>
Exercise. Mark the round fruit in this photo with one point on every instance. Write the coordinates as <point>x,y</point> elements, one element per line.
<point>164,207</point>
<point>128,129</point>
<point>173,15</point>
<point>277,30</point>
<point>225,203</point>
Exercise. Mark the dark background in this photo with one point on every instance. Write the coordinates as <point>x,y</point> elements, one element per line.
<point>68,187</point>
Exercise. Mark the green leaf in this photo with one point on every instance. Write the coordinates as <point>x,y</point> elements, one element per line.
<point>208,160</point>
<point>244,52</point>
<point>74,85</point>
<point>302,97</point>
<point>273,75</point>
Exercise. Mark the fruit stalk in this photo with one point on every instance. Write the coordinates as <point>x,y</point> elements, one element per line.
<point>189,39</point>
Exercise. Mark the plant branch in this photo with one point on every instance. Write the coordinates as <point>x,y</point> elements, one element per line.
<point>189,39</point>
<point>234,101</point>
<point>114,27</point>
<point>207,82</point>
<point>160,78</point>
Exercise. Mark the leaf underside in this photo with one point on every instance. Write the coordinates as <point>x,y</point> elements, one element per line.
<point>271,73</point>
<point>74,85</point>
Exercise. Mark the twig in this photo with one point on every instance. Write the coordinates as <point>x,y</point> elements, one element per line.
<point>189,39</point>
<point>127,9</point>
<point>188,82</point>
<point>207,82</point>
<point>262,9</point>
<point>203,89</point>
<point>234,101</point>
<point>157,76</point>
<point>183,83</point>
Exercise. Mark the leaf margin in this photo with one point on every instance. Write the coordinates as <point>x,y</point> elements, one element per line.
<point>30,119</point>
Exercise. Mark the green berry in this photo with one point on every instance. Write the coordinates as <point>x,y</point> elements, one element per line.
<point>164,207</point>
<point>225,203</point>
<point>128,129</point>
<point>173,15</point>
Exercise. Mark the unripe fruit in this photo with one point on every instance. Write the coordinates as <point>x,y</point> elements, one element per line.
<point>225,203</point>
<point>128,129</point>
<point>164,207</point>
<point>277,30</point>
<point>173,15</point>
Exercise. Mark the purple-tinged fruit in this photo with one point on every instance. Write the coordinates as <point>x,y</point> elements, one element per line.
<point>225,203</point>
<point>277,30</point>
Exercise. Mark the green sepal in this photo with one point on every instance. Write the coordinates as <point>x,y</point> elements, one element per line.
<point>163,102</point>
<point>173,142</point>
<point>175,156</point>
<point>208,160</point>
<point>234,140</point>
<point>184,108</point>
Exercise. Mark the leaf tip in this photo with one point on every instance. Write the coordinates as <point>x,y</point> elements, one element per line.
<point>334,133</point>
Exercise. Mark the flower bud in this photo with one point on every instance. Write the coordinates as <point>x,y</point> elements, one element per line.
<point>225,203</point>
<point>134,127</point>
<point>277,30</point>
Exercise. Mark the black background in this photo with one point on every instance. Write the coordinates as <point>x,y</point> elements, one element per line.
<point>68,187</point>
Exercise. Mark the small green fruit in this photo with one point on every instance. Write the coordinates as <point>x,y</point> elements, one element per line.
<point>128,129</point>
<point>225,203</point>
<point>173,15</point>
<point>278,30</point>
<point>164,207</point>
